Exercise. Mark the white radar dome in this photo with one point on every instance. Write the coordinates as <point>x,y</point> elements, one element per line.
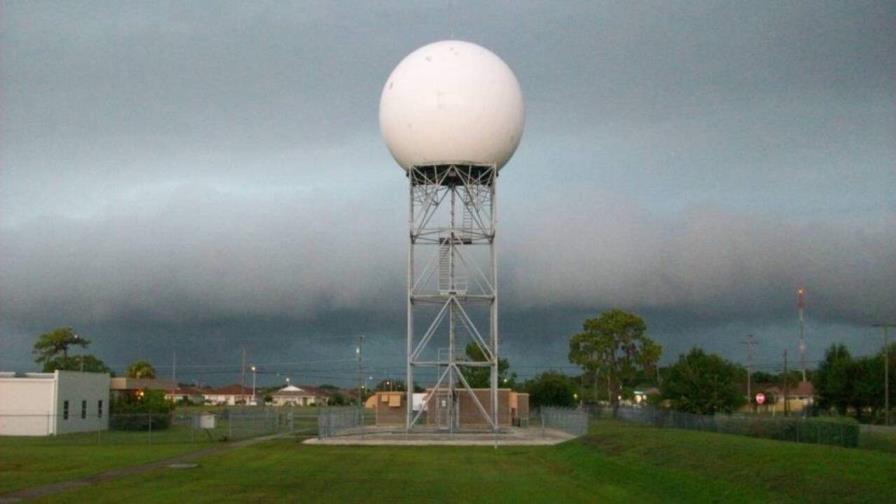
<point>452,102</point>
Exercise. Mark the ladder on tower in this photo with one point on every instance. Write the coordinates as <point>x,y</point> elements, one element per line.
<point>459,286</point>
<point>466,227</point>
<point>444,266</point>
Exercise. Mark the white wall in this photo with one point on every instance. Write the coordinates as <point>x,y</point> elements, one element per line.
<point>76,388</point>
<point>26,404</point>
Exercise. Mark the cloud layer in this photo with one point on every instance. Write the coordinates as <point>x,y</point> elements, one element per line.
<point>186,164</point>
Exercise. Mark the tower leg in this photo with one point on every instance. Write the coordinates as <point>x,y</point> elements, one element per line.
<point>452,208</point>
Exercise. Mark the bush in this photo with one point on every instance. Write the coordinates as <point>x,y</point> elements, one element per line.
<point>143,410</point>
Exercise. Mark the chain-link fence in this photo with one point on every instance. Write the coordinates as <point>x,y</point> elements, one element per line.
<point>817,430</point>
<point>336,420</point>
<point>226,424</point>
<point>569,420</point>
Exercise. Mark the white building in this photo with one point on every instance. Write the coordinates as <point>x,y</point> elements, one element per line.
<point>291,395</point>
<point>229,395</point>
<point>62,402</point>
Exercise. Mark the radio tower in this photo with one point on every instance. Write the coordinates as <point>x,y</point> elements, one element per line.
<point>800,304</point>
<point>452,115</point>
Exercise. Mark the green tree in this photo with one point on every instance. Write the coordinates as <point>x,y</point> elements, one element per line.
<point>867,376</point>
<point>764,377</point>
<point>612,348</point>
<point>143,410</point>
<point>480,377</point>
<point>51,350</point>
<point>551,388</point>
<point>50,344</point>
<point>87,363</point>
<point>702,383</point>
<point>141,369</point>
<point>338,399</point>
<point>834,381</point>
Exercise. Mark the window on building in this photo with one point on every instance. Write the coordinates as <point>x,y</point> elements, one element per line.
<point>99,409</point>
<point>83,409</point>
<point>65,410</point>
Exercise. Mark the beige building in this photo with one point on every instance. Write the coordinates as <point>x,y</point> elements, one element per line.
<point>391,408</point>
<point>123,385</point>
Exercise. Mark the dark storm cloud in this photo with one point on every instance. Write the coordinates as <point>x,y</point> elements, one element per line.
<point>192,163</point>
<point>205,255</point>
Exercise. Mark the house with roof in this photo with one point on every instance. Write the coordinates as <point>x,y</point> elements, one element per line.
<point>123,385</point>
<point>229,395</point>
<point>800,397</point>
<point>186,394</point>
<point>291,395</point>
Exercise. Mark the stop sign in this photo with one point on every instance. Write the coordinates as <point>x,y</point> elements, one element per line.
<point>760,398</point>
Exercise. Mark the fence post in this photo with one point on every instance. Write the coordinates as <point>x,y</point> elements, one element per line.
<point>150,427</point>
<point>229,426</point>
<point>541,411</point>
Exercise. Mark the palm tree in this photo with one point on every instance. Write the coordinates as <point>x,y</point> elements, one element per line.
<point>141,369</point>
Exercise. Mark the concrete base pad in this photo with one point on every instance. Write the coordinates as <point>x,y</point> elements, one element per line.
<point>373,436</point>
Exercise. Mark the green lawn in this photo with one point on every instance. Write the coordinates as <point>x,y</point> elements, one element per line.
<point>25,463</point>
<point>616,462</point>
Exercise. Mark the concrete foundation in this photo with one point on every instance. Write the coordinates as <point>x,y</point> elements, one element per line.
<point>381,436</point>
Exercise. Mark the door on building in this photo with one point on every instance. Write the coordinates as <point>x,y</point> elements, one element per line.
<point>443,410</point>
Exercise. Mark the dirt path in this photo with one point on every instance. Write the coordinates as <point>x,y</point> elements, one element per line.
<point>64,486</point>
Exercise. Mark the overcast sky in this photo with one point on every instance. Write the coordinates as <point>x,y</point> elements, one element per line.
<point>197,176</point>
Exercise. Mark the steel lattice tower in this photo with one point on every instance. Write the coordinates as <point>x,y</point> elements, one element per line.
<point>452,270</point>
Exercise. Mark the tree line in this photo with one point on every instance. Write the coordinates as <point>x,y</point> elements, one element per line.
<point>615,355</point>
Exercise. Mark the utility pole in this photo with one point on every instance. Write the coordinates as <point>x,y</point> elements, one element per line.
<point>750,342</point>
<point>358,351</point>
<point>243,367</point>
<point>174,367</point>
<point>886,328</point>
<point>254,402</point>
<point>786,386</point>
<point>801,303</point>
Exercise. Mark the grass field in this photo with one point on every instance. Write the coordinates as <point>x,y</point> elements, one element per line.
<point>615,462</point>
<point>883,441</point>
<point>25,464</point>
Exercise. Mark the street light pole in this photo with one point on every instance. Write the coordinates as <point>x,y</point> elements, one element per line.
<point>254,401</point>
<point>786,386</point>
<point>80,357</point>
<point>750,344</point>
<point>886,328</point>
<point>360,380</point>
